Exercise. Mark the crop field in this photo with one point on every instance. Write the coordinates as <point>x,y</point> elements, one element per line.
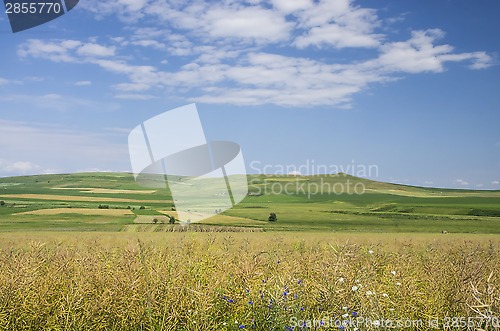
<point>316,203</point>
<point>257,281</point>
<point>95,252</point>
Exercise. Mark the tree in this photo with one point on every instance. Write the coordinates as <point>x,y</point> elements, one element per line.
<point>2,203</point>
<point>273,217</point>
<point>142,207</point>
<point>155,220</point>
<point>171,220</point>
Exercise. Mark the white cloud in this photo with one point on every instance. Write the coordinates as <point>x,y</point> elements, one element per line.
<point>3,81</point>
<point>461,182</point>
<point>287,6</point>
<point>495,182</point>
<point>19,167</point>
<point>149,43</point>
<point>95,50</point>
<point>83,83</point>
<point>419,54</point>
<point>42,148</point>
<point>247,23</point>
<point>338,23</point>
<point>55,102</point>
<point>224,49</point>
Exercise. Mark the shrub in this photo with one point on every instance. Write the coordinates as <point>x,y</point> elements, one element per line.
<point>273,217</point>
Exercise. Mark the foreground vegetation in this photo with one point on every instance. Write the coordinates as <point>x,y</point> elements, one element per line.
<point>260,281</point>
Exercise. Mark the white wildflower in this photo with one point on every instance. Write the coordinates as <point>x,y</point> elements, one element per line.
<point>354,288</point>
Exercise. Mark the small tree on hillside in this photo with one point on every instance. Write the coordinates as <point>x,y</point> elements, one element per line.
<point>2,203</point>
<point>273,217</point>
<point>171,220</point>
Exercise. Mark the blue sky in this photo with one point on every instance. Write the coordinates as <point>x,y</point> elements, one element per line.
<point>409,86</point>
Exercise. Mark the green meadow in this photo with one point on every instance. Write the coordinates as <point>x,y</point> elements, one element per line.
<point>325,203</point>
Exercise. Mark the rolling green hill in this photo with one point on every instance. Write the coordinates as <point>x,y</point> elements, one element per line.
<point>114,202</point>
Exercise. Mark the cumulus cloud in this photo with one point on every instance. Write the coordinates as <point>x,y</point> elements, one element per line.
<point>339,24</point>
<point>461,182</point>
<point>95,50</point>
<point>495,182</point>
<point>232,52</point>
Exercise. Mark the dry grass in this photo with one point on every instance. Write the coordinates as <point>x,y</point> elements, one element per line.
<point>81,211</point>
<point>76,198</point>
<point>260,281</point>
<point>104,190</point>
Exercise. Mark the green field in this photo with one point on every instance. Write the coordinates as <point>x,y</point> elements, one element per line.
<point>305,203</point>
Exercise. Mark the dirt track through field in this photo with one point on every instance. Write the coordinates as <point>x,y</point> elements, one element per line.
<point>82,211</point>
<point>76,198</point>
<point>104,190</point>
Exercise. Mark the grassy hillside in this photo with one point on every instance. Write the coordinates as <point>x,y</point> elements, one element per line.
<point>318,203</point>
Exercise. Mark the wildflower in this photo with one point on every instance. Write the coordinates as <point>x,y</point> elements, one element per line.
<point>230,300</point>
<point>354,313</point>
<point>285,293</point>
<point>299,281</point>
<point>345,307</point>
<point>369,292</point>
<point>398,284</point>
<point>393,273</point>
<point>345,315</point>
<point>354,288</point>
<point>385,295</point>
<point>302,309</point>
<point>241,327</point>
<point>370,251</point>
<point>341,280</point>
<point>341,327</point>
<point>250,302</point>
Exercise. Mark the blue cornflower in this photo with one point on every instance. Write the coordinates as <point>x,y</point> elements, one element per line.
<point>354,313</point>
